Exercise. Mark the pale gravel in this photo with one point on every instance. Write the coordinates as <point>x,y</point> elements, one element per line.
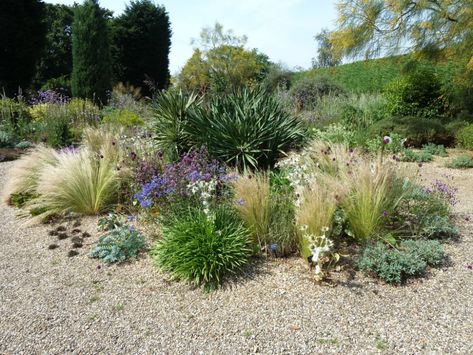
<point>50,303</point>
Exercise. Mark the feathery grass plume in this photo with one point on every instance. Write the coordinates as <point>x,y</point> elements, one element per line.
<point>331,158</point>
<point>84,180</point>
<point>375,192</point>
<point>23,177</point>
<point>316,211</point>
<point>252,200</point>
<point>80,183</point>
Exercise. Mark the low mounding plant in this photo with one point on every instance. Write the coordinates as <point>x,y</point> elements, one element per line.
<point>461,162</point>
<point>393,265</point>
<point>173,110</point>
<point>202,248</point>
<point>464,137</point>
<point>119,243</point>
<point>248,129</point>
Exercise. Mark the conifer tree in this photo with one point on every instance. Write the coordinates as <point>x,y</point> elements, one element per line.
<point>91,61</point>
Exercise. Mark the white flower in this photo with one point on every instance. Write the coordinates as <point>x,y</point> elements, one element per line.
<point>318,270</point>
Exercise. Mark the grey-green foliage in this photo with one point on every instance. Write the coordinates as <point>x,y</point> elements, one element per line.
<point>438,227</point>
<point>435,149</point>
<point>396,265</point>
<point>202,249</point>
<point>309,90</point>
<point>408,155</point>
<point>461,162</point>
<point>120,242</point>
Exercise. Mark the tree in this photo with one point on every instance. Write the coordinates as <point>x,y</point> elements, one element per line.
<point>325,56</point>
<point>141,45</point>
<point>427,27</point>
<point>91,64</point>
<point>222,64</point>
<point>22,34</point>
<point>55,63</point>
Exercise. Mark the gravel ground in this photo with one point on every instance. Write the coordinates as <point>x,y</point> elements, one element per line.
<point>52,303</point>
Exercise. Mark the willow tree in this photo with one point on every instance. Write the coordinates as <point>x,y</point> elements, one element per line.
<point>427,27</point>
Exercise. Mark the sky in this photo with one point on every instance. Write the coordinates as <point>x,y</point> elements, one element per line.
<point>284,30</point>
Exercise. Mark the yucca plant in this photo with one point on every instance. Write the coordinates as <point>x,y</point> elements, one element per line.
<point>248,129</point>
<point>173,109</point>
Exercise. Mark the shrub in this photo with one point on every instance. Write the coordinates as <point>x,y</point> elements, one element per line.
<point>396,265</point>
<point>434,149</point>
<point>408,155</point>
<point>438,227</point>
<point>417,130</point>
<point>461,162</point>
<point>83,112</point>
<point>417,93</point>
<point>464,137</point>
<point>173,109</point>
<point>307,91</point>
<point>118,244</point>
<point>123,118</point>
<point>202,249</point>
<point>23,145</point>
<point>248,129</point>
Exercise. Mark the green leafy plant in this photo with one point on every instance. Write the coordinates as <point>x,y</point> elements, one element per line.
<point>461,162</point>
<point>307,91</point>
<point>408,155</point>
<point>464,137</point>
<point>118,244</point>
<point>123,118</point>
<point>110,221</point>
<point>438,227</point>
<point>202,248</point>
<point>248,129</point>
<point>435,149</point>
<point>396,265</point>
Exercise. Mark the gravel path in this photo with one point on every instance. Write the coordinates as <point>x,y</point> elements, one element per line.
<point>53,303</point>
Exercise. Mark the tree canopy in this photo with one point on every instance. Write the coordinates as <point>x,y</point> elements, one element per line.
<point>91,74</point>
<point>222,63</point>
<point>22,33</point>
<point>425,27</point>
<point>141,45</point>
<point>325,56</point>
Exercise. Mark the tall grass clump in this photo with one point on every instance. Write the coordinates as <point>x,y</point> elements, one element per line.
<point>374,194</point>
<point>268,212</point>
<point>253,204</point>
<point>84,180</point>
<point>202,248</point>
<point>24,176</point>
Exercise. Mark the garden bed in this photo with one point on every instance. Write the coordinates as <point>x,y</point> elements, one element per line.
<point>55,303</point>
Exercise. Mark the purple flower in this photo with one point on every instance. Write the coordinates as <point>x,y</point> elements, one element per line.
<point>387,140</point>
<point>240,202</point>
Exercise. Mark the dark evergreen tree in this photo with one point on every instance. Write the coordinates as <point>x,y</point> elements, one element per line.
<point>91,63</point>
<point>55,65</point>
<point>141,45</point>
<point>22,34</point>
